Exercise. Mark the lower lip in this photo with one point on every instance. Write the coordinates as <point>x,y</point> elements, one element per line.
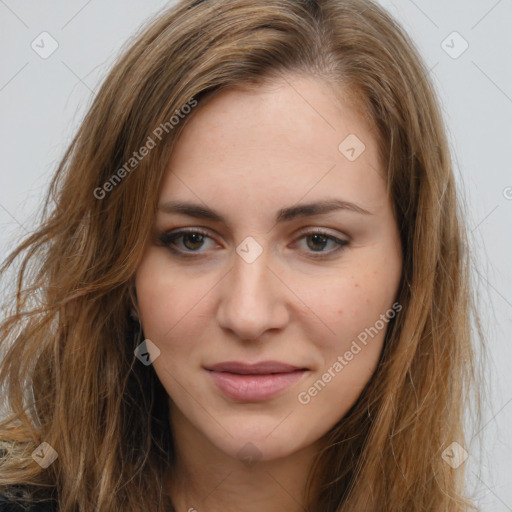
<point>254,388</point>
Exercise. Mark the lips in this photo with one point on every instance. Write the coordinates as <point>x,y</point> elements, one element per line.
<point>262,368</point>
<point>245,382</point>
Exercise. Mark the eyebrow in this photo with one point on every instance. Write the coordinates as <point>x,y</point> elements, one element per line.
<point>284,215</point>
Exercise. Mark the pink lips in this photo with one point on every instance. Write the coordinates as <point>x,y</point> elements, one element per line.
<point>254,382</point>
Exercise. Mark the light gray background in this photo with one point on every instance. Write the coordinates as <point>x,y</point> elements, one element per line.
<point>43,100</point>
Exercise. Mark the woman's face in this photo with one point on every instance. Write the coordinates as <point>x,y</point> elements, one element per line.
<point>292,259</point>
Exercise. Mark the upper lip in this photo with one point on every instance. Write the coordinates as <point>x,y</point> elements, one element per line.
<point>262,368</point>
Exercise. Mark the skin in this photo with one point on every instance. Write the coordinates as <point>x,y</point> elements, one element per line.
<point>248,154</point>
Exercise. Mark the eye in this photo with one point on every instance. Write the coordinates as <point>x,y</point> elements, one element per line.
<point>317,240</point>
<point>192,240</point>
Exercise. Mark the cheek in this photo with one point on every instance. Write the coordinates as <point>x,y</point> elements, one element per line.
<point>153,294</point>
<point>358,312</point>
<point>170,313</point>
<point>167,298</point>
<point>349,303</point>
<point>355,310</point>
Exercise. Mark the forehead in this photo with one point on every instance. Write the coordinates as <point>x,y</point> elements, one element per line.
<point>287,138</point>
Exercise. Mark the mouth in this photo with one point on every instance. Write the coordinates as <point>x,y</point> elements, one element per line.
<point>254,382</point>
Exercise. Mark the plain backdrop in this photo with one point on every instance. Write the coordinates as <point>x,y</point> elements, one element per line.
<point>467,46</point>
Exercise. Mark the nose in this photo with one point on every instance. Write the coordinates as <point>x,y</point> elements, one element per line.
<point>253,299</point>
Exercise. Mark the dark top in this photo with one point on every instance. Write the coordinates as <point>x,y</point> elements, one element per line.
<point>11,501</point>
<point>23,498</point>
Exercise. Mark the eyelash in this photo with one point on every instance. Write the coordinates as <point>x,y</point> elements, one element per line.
<point>168,238</point>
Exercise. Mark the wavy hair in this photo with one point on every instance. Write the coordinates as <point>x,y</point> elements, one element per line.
<point>69,374</point>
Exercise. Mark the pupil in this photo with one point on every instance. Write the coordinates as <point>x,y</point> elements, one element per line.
<point>323,240</point>
<point>196,238</point>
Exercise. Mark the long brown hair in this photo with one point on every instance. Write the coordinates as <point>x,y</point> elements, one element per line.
<point>69,372</point>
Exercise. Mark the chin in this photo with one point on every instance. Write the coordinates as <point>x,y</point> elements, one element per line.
<point>262,440</point>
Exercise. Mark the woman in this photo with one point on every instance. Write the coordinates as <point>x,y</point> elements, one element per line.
<point>186,346</point>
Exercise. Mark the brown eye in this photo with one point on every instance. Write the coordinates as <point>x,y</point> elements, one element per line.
<point>190,242</point>
<point>193,241</point>
<point>317,242</point>
<point>183,242</point>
